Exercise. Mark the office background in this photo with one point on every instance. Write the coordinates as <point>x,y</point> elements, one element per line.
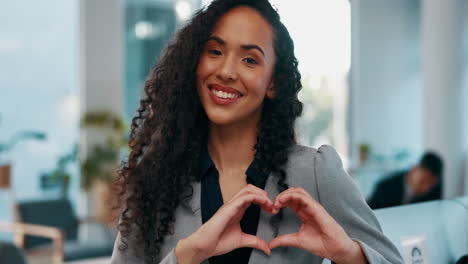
<point>389,75</point>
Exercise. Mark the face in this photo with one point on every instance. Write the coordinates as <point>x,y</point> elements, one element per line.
<point>235,70</point>
<point>421,180</point>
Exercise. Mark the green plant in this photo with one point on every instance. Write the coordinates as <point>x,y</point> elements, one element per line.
<point>101,161</point>
<point>364,152</point>
<point>364,147</point>
<point>17,137</point>
<point>60,175</point>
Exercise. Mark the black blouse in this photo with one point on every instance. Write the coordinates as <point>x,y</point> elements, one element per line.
<point>212,200</point>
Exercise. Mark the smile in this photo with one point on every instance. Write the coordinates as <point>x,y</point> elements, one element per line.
<point>223,95</point>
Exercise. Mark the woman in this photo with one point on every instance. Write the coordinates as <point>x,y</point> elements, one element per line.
<point>214,135</point>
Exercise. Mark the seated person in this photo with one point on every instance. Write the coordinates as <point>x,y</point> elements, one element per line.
<point>422,183</point>
<point>463,260</point>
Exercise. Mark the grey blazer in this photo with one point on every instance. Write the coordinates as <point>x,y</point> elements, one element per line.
<point>320,172</point>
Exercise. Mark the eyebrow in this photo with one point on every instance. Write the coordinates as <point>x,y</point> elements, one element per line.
<point>245,47</point>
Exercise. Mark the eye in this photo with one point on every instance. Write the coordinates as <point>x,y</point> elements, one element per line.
<point>250,61</point>
<point>214,52</point>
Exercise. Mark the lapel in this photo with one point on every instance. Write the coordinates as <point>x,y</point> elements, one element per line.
<point>194,220</point>
<point>188,220</point>
<point>195,202</point>
<point>265,230</point>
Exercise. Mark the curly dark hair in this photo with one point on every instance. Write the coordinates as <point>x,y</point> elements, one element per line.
<point>171,129</point>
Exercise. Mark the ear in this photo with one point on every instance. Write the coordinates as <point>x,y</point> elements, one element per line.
<point>271,91</point>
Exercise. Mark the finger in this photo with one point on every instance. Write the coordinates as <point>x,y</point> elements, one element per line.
<point>300,204</point>
<point>245,201</point>
<point>301,190</point>
<point>254,242</point>
<point>288,240</point>
<point>230,213</point>
<point>249,188</point>
<point>235,209</point>
<point>276,204</point>
<point>298,198</point>
<point>291,199</point>
<point>287,191</point>
<point>307,209</point>
<point>294,202</point>
<point>293,190</point>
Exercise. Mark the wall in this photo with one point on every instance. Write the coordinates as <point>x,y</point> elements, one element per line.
<point>392,86</point>
<point>101,75</point>
<point>386,78</point>
<point>464,86</point>
<point>38,88</point>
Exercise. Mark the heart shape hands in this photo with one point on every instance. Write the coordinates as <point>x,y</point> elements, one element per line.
<point>319,233</point>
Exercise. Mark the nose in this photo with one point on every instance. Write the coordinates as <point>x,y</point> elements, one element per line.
<point>227,71</point>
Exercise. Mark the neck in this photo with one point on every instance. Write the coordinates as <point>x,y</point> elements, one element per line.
<point>232,147</point>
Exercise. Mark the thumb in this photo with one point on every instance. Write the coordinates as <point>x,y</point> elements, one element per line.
<point>254,242</point>
<point>288,240</point>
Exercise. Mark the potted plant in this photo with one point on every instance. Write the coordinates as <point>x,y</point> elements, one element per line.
<point>60,177</point>
<point>102,157</point>
<point>364,152</point>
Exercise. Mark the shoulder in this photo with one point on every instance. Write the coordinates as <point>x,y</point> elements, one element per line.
<point>318,170</point>
<point>323,168</point>
<point>326,154</point>
<point>325,159</point>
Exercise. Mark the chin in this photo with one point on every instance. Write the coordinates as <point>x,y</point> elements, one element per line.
<point>220,119</point>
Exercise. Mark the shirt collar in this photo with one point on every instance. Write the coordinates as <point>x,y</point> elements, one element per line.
<point>206,163</point>
<point>254,174</point>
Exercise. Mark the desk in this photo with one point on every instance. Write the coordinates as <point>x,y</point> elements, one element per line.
<point>104,260</point>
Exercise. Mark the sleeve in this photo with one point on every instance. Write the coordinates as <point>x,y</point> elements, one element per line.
<point>133,255</point>
<point>340,196</point>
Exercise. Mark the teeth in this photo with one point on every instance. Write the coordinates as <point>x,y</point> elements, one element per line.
<point>224,95</point>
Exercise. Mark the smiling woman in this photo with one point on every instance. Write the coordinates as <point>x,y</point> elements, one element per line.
<point>235,70</point>
<point>215,174</point>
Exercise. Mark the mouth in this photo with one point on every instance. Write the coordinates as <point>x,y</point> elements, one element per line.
<point>223,95</point>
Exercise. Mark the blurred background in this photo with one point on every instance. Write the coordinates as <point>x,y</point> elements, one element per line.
<point>384,81</point>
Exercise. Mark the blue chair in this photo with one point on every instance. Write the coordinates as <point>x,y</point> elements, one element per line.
<point>59,215</point>
<point>10,254</point>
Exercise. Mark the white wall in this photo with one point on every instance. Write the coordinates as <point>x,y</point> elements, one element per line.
<point>442,28</point>
<point>386,84</point>
<point>392,81</point>
<point>38,87</point>
<point>101,55</point>
<point>464,86</point>
<point>101,70</point>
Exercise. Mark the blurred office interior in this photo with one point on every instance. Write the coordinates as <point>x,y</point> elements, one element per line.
<point>383,82</point>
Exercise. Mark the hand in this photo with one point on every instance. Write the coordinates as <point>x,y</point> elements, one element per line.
<point>319,233</point>
<point>222,233</point>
